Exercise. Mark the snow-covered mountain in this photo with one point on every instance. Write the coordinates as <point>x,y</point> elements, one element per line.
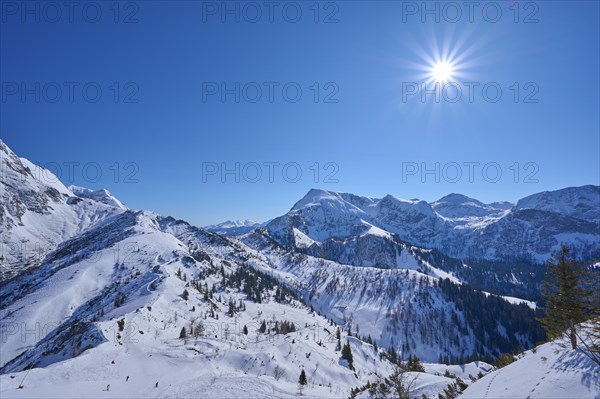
<point>232,228</point>
<point>458,226</point>
<point>458,206</point>
<point>129,303</point>
<point>412,307</point>
<point>104,306</point>
<point>111,303</point>
<point>102,195</point>
<point>37,212</point>
<point>135,267</point>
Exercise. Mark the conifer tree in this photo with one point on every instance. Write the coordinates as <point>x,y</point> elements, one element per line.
<point>567,298</point>
<point>414,364</point>
<point>302,380</point>
<point>347,354</point>
<point>231,308</point>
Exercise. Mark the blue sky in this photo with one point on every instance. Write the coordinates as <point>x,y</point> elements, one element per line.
<point>162,121</point>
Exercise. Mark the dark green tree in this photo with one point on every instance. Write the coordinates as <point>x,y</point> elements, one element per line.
<point>182,333</point>
<point>347,354</point>
<point>231,310</point>
<point>567,297</point>
<point>302,380</point>
<point>414,364</point>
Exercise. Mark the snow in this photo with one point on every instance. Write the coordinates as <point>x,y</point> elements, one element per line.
<point>234,223</point>
<point>550,372</point>
<point>102,195</point>
<point>464,227</point>
<point>39,212</point>
<point>460,370</point>
<point>45,177</point>
<point>512,299</point>
<point>223,362</point>
<point>376,231</point>
<point>302,240</point>
<point>580,202</point>
<point>234,228</point>
<point>96,249</point>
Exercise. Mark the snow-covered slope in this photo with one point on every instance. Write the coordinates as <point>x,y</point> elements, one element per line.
<point>549,372</point>
<point>578,202</point>
<point>37,212</point>
<point>156,275</point>
<point>412,307</point>
<point>135,267</point>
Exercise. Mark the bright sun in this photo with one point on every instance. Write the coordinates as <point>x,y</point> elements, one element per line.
<point>441,72</point>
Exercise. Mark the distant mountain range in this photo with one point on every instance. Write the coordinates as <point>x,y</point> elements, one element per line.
<point>456,225</point>
<point>234,227</point>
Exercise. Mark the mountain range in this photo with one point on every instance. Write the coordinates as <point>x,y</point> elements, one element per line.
<point>456,225</point>
<point>92,292</point>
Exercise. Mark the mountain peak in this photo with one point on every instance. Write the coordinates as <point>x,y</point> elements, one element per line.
<point>315,196</point>
<point>102,195</point>
<point>580,202</point>
<point>457,199</point>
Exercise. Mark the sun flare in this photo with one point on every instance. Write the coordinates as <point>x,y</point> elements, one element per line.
<point>441,72</point>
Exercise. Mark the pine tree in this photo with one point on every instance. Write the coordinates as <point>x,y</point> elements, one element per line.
<point>182,333</point>
<point>393,355</point>
<point>592,342</point>
<point>245,330</point>
<point>263,327</point>
<point>567,300</point>
<point>231,308</point>
<point>185,295</point>
<point>414,364</point>
<point>302,380</point>
<point>347,354</point>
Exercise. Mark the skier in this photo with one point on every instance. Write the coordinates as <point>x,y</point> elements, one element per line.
<point>113,362</point>
<point>156,386</point>
<point>108,387</point>
<point>127,379</point>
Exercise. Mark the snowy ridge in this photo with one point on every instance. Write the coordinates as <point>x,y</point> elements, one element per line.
<point>102,195</point>
<point>458,226</point>
<point>399,307</point>
<point>37,212</point>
